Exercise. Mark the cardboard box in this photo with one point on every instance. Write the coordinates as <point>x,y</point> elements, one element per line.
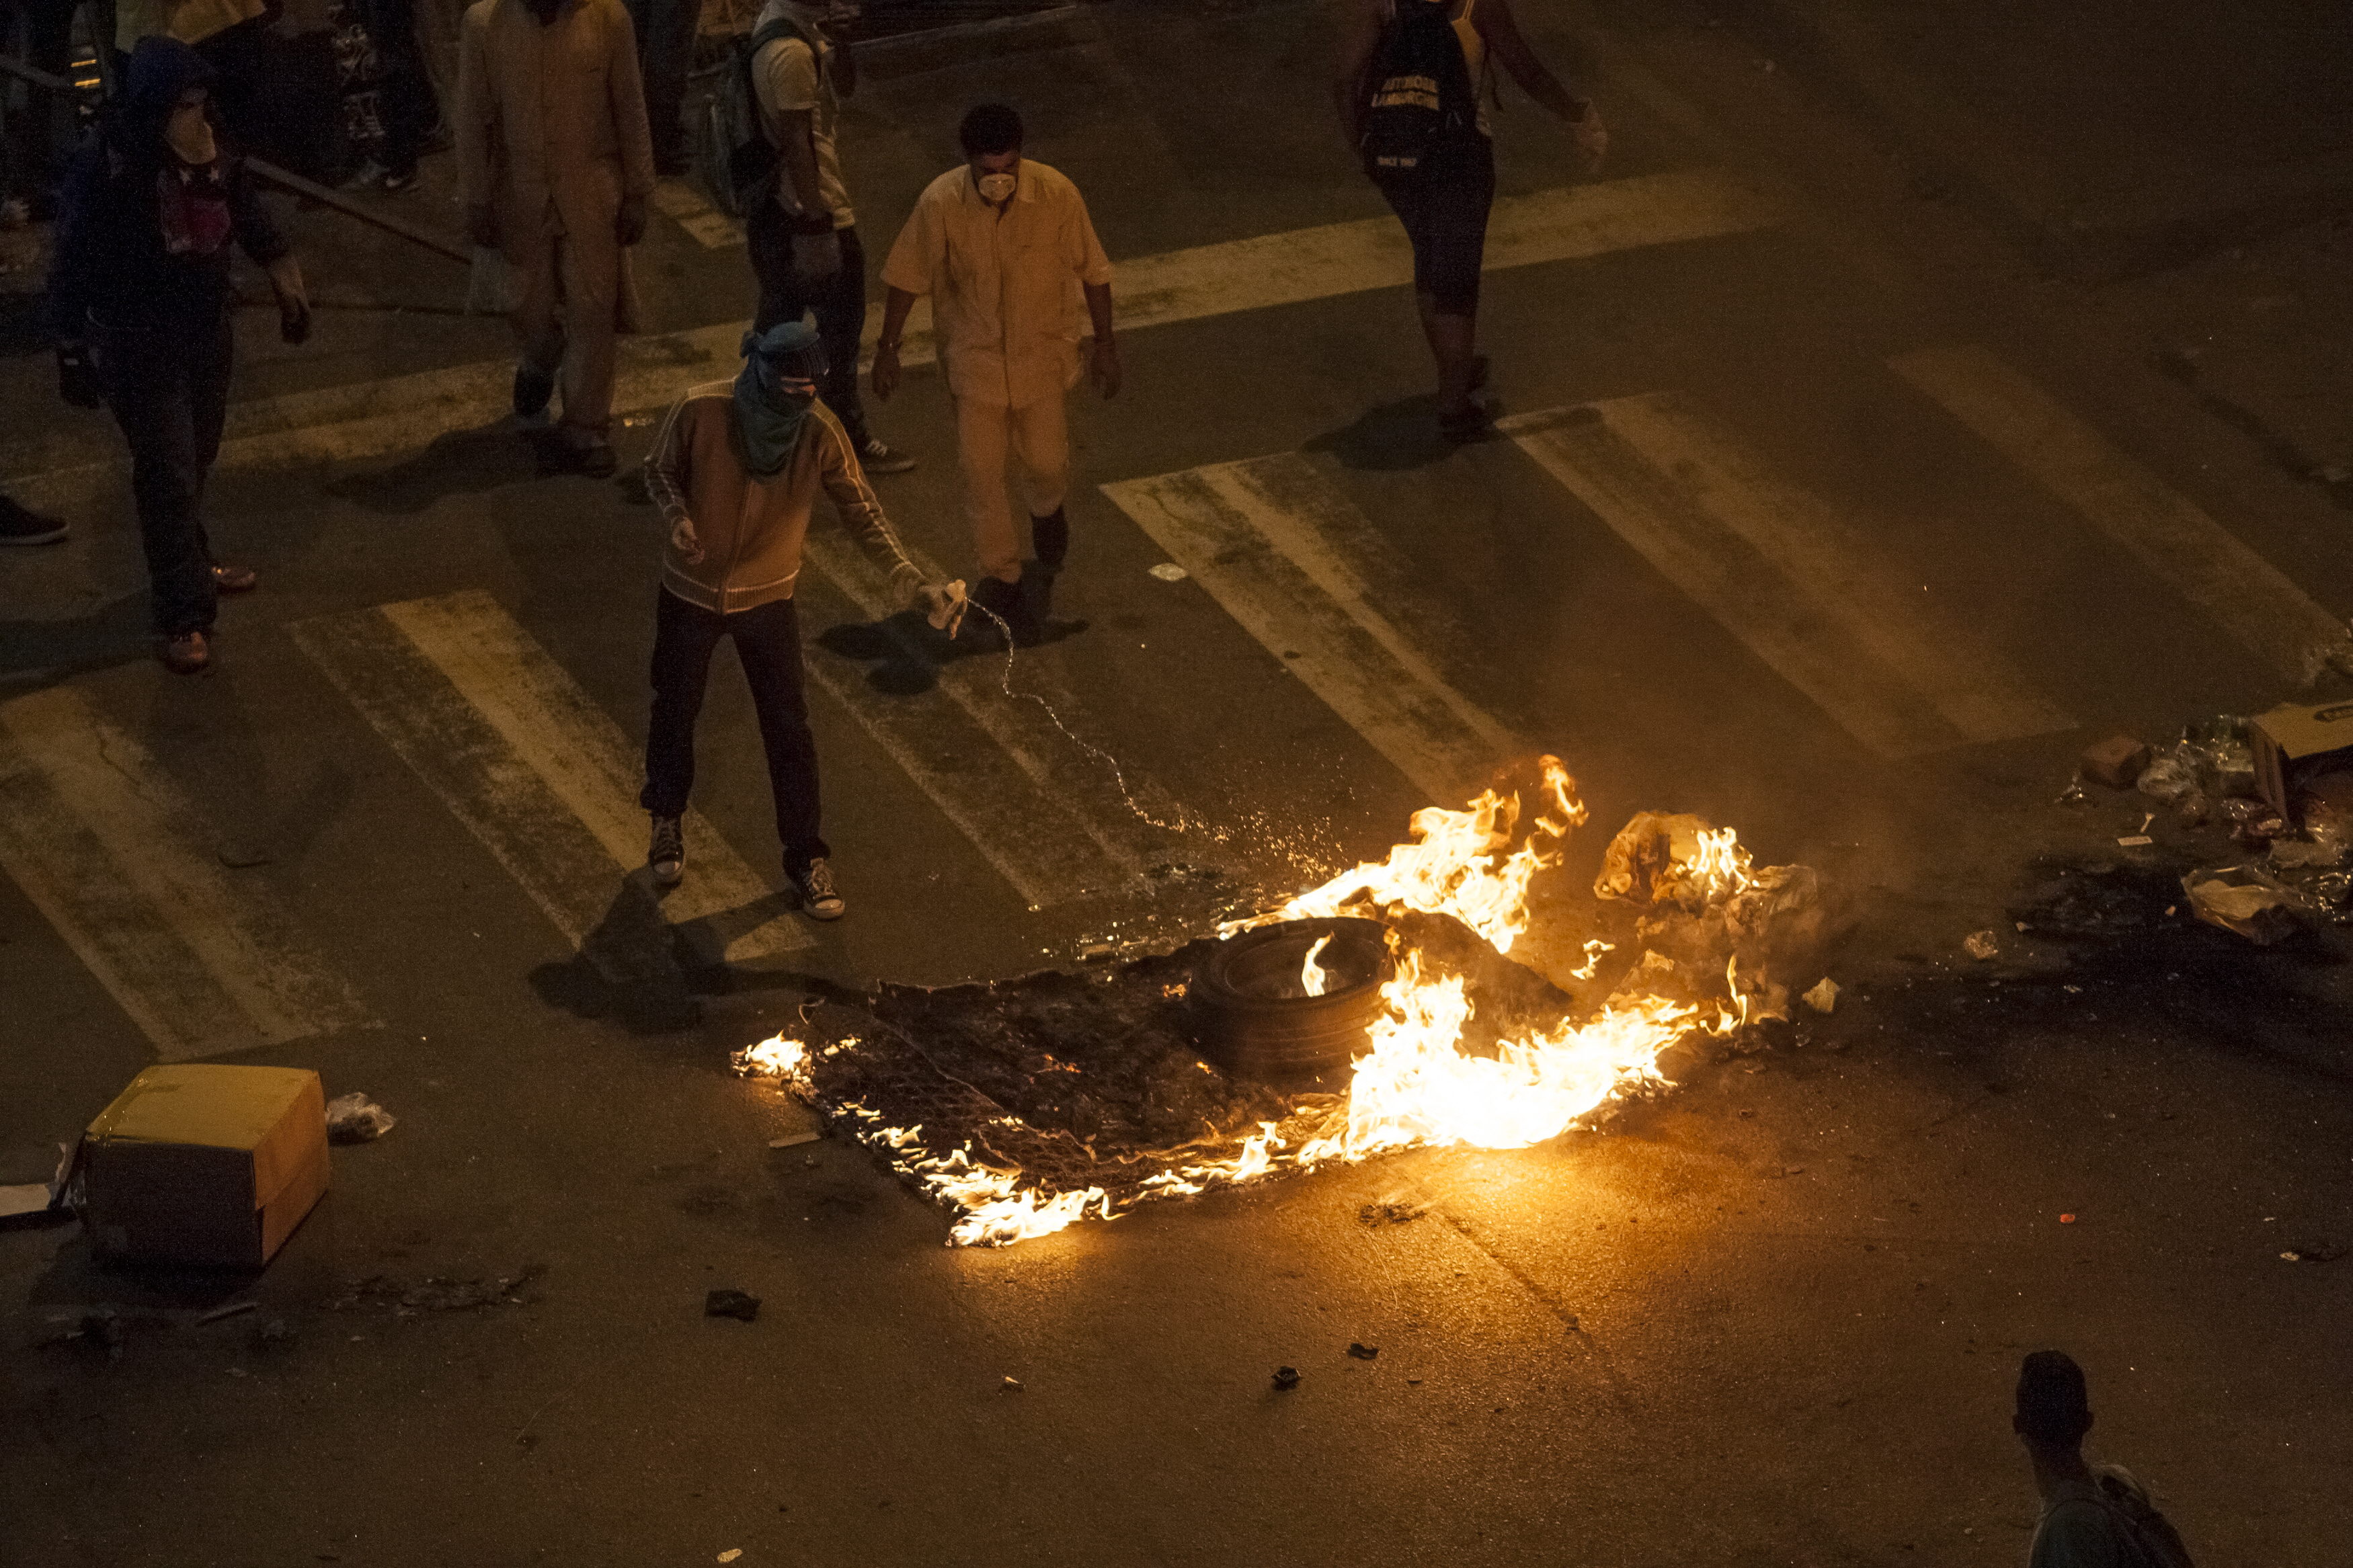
<point>2293,743</point>
<point>204,1165</point>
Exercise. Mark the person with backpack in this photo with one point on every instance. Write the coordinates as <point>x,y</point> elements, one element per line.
<point>2093,1516</point>
<point>798,221</point>
<point>140,298</point>
<point>1415,85</point>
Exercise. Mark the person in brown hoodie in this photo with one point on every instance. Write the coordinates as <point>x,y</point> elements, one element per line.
<point>735,471</point>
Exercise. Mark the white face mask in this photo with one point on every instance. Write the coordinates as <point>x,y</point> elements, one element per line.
<point>190,135</point>
<point>997,187</point>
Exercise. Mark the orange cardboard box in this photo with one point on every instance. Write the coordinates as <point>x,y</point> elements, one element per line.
<point>204,1165</point>
<point>2293,743</point>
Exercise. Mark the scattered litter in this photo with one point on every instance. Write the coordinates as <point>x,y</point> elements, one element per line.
<point>231,1310</point>
<point>2171,777</point>
<point>1286,1378</point>
<point>1415,1381</point>
<point>1570,1322</point>
<point>1363,1351</point>
<point>2134,841</point>
<point>1980,944</point>
<point>794,1140</point>
<point>438,1295</point>
<point>355,1119</point>
<point>2243,899</point>
<point>2067,1219</point>
<point>2072,794</point>
<point>1823,996</point>
<point>1010,1385</point>
<point>2315,1252</point>
<point>2297,854</point>
<point>2115,762</point>
<point>732,1553</point>
<point>1169,572</point>
<point>1391,1211</point>
<point>730,1304</point>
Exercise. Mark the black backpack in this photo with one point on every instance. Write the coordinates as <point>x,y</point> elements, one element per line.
<point>1420,99</point>
<point>744,165</point>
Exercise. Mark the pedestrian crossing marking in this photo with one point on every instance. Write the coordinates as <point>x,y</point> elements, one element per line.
<point>1569,223</point>
<point>1837,565</point>
<point>2241,592</point>
<point>113,853</point>
<point>544,778</point>
<point>1736,584</point>
<point>1014,794</point>
<point>1249,532</point>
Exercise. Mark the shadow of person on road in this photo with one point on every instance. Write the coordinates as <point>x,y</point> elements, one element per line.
<point>35,654</point>
<point>462,462</point>
<point>628,968</point>
<point>908,655</point>
<point>1392,438</point>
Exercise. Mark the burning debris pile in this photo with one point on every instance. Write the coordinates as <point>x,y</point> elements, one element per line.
<point>1456,1019</point>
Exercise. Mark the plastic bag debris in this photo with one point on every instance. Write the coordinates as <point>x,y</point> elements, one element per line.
<point>1823,996</point>
<point>1980,944</point>
<point>356,1118</point>
<point>2172,776</point>
<point>732,1304</point>
<point>1363,1351</point>
<point>1169,572</point>
<point>732,1553</point>
<point>2242,900</point>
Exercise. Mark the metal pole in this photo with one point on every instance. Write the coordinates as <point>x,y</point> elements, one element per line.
<point>285,179</point>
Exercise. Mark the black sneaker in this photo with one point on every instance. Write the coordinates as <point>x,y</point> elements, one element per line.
<point>399,180</point>
<point>18,526</point>
<point>532,389</point>
<point>820,896</point>
<point>878,459</point>
<point>666,856</point>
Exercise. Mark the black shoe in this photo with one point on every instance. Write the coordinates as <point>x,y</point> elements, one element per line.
<point>1049,537</point>
<point>877,458</point>
<point>1003,611</point>
<point>595,458</point>
<point>819,898</point>
<point>1476,423</point>
<point>666,856</point>
<point>18,526</point>
<point>532,389</point>
<point>399,180</point>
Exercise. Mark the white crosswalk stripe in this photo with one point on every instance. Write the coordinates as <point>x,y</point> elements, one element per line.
<point>203,958</point>
<point>543,779</point>
<point>1805,588</point>
<point>1025,794</point>
<point>2241,592</point>
<point>1254,534</point>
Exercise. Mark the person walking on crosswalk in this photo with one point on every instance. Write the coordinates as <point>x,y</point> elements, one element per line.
<point>140,297</point>
<point>1005,248</point>
<point>555,165</point>
<point>1416,80</point>
<point>735,471</point>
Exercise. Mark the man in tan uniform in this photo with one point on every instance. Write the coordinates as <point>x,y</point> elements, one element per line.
<point>1004,247</point>
<point>554,166</point>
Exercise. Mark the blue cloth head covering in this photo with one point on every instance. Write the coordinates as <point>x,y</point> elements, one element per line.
<point>161,69</point>
<point>767,412</point>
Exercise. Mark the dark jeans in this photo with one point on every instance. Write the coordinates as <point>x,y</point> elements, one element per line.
<point>1444,209</point>
<point>404,93</point>
<point>838,303</point>
<point>665,30</point>
<point>768,647</point>
<point>170,393</point>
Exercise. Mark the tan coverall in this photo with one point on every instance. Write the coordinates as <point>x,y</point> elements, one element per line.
<point>551,135</point>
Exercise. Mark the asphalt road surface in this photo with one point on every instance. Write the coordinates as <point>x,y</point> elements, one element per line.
<point>1823,510</point>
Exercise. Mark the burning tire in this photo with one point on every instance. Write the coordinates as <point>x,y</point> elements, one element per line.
<point>1255,1017</point>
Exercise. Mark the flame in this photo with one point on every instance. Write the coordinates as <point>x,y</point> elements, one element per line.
<point>1450,866</point>
<point>1312,975</point>
<point>1416,1085</point>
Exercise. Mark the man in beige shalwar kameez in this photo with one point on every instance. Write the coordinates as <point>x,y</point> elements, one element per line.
<point>555,165</point>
